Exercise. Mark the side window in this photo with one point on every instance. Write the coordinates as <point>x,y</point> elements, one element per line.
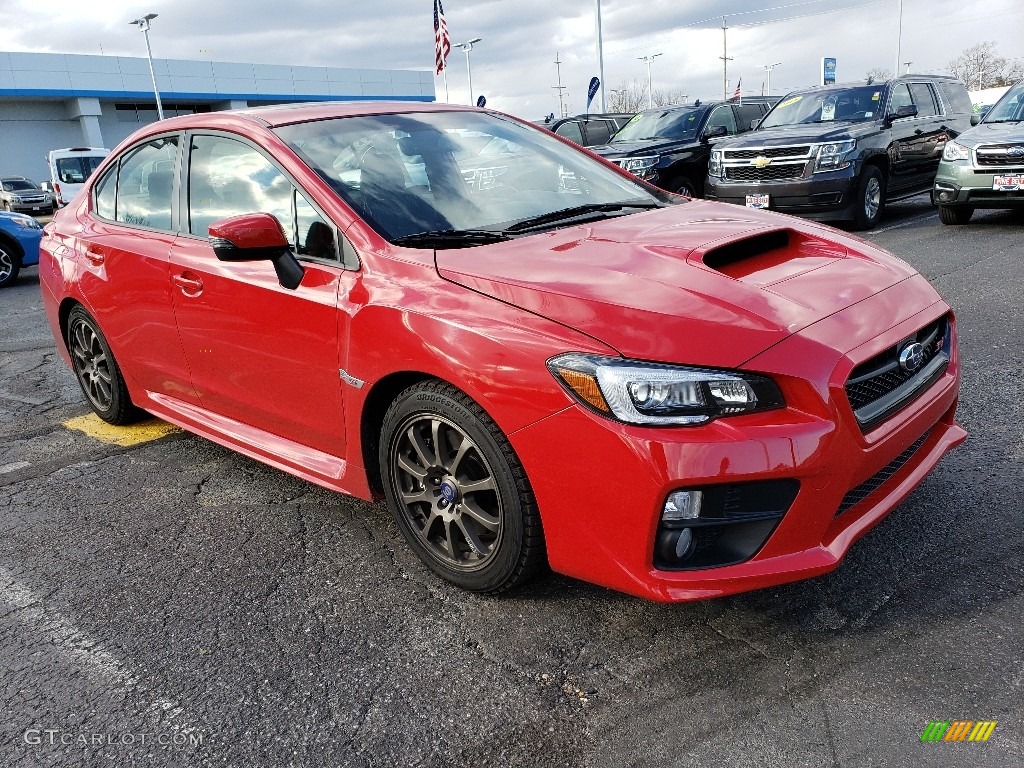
<point>745,113</point>
<point>571,131</point>
<point>598,132</point>
<point>106,190</point>
<point>722,116</point>
<point>956,97</point>
<point>900,98</point>
<point>227,178</point>
<point>923,98</point>
<point>315,236</point>
<point>144,184</point>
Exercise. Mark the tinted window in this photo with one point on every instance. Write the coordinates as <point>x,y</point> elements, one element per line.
<point>923,99</point>
<point>722,116</point>
<point>571,131</point>
<point>229,178</point>
<point>75,170</point>
<point>956,97</point>
<point>598,132</point>
<point>106,190</point>
<point>747,112</point>
<point>144,184</point>
<point>315,237</point>
<point>900,98</point>
<point>15,186</point>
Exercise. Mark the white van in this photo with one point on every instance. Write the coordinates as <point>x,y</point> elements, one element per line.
<point>69,168</point>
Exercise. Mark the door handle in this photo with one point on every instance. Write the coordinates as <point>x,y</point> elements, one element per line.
<point>190,285</point>
<point>94,255</point>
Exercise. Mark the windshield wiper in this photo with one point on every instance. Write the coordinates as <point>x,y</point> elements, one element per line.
<point>1001,121</point>
<point>571,213</point>
<point>451,238</point>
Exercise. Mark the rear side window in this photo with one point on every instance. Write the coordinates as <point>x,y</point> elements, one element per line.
<point>745,113</point>
<point>956,97</point>
<point>924,100</point>
<point>598,132</point>
<point>571,131</point>
<point>106,194</point>
<point>144,184</point>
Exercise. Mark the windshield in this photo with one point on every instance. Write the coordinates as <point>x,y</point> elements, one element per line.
<point>430,172</point>
<point>846,104</point>
<point>14,186</point>
<point>75,170</point>
<point>680,124</point>
<point>1010,108</point>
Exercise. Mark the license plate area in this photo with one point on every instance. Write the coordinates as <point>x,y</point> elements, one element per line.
<point>1011,183</point>
<point>757,201</point>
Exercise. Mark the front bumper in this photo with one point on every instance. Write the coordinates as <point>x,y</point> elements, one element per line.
<point>823,196</point>
<point>962,184</point>
<point>602,506</point>
<point>32,207</point>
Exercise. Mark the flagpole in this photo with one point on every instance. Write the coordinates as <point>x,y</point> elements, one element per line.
<point>444,71</point>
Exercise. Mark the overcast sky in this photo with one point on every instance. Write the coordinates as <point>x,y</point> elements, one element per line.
<point>514,65</point>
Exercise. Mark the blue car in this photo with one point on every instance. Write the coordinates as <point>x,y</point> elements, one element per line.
<point>19,245</point>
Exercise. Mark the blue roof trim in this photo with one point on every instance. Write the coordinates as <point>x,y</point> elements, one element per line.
<point>211,97</point>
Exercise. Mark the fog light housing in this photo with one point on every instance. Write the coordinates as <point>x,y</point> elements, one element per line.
<point>943,193</point>
<point>682,505</point>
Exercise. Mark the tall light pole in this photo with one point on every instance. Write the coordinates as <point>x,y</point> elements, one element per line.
<point>143,24</point>
<point>899,39</point>
<point>600,57</point>
<point>467,47</point>
<point>768,68</point>
<point>650,82</point>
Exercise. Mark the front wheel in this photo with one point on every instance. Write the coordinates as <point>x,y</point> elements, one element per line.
<point>97,371</point>
<point>684,187</point>
<point>457,490</point>
<point>870,200</point>
<point>10,265</point>
<point>960,214</point>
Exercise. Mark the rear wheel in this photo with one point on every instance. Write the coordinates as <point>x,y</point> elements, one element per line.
<point>684,187</point>
<point>10,264</point>
<point>97,370</point>
<point>960,214</point>
<point>457,490</point>
<point>870,198</point>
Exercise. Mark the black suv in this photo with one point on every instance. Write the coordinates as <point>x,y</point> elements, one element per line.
<point>843,151</point>
<point>587,130</point>
<point>670,146</point>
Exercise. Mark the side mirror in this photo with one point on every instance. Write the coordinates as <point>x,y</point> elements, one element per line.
<point>714,133</point>
<point>257,237</point>
<point>975,119</point>
<point>907,110</point>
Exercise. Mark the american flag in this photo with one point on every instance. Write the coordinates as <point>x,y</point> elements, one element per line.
<point>442,43</point>
<point>735,94</point>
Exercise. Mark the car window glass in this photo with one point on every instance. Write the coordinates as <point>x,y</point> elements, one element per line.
<point>144,184</point>
<point>746,113</point>
<point>106,189</point>
<point>315,236</point>
<point>722,116</point>
<point>598,132</point>
<point>228,178</point>
<point>956,97</point>
<point>571,131</point>
<point>900,98</point>
<point>923,99</point>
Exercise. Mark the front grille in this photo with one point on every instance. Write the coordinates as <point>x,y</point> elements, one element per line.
<point>881,477</point>
<point>998,155</point>
<point>750,154</point>
<point>768,173</point>
<point>879,387</point>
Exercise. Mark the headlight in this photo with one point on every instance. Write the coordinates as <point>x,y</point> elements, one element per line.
<point>15,199</point>
<point>27,222</point>
<point>641,166</point>
<point>651,393</point>
<point>833,156</point>
<point>715,163</point>
<point>954,151</point>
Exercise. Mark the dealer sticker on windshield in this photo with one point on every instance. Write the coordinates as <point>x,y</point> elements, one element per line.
<point>757,201</point>
<point>1005,183</point>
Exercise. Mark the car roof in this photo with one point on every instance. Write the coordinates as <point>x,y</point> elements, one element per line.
<point>877,83</point>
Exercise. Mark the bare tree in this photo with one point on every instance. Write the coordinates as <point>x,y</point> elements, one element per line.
<point>877,73</point>
<point>981,67</point>
<point>628,97</point>
<point>667,98</point>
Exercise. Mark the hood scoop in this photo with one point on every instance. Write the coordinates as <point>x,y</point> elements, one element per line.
<point>767,258</point>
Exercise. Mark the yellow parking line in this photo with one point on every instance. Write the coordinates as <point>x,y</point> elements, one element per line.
<point>135,434</point>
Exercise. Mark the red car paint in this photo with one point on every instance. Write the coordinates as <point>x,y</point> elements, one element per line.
<point>223,350</point>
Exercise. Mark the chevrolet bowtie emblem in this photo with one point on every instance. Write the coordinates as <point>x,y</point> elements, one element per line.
<point>761,161</point>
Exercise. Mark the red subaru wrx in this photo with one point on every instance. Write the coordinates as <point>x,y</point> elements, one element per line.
<point>532,355</point>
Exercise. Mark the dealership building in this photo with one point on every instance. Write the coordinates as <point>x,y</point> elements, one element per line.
<point>52,100</point>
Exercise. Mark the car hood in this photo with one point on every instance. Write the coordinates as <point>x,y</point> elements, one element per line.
<point>699,282</point>
<point>633,148</point>
<point>992,133</point>
<point>797,134</point>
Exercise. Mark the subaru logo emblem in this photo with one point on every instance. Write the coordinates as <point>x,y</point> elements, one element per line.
<point>448,489</point>
<point>1015,152</point>
<point>911,357</point>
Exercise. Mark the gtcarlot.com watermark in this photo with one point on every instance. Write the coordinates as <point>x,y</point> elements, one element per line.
<point>54,737</point>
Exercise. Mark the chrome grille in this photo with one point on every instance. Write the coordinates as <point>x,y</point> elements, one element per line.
<point>881,477</point>
<point>750,154</point>
<point>768,173</point>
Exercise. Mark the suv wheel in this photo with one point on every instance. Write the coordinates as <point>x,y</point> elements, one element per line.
<point>683,187</point>
<point>955,215</point>
<point>10,264</point>
<point>870,198</point>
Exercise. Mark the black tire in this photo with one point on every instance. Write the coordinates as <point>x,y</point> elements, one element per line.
<point>7,206</point>
<point>10,263</point>
<point>683,186</point>
<point>457,490</point>
<point>870,201</point>
<point>960,214</point>
<point>97,371</point>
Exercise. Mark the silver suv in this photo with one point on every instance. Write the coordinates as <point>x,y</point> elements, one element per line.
<point>984,167</point>
<point>19,194</point>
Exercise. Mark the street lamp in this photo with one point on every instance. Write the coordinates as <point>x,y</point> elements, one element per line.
<point>143,24</point>
<point>467,47</point>
<point>768,68</point>
<point>650,86</point>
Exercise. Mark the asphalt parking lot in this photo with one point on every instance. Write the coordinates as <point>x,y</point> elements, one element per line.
<point>164,601</point>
